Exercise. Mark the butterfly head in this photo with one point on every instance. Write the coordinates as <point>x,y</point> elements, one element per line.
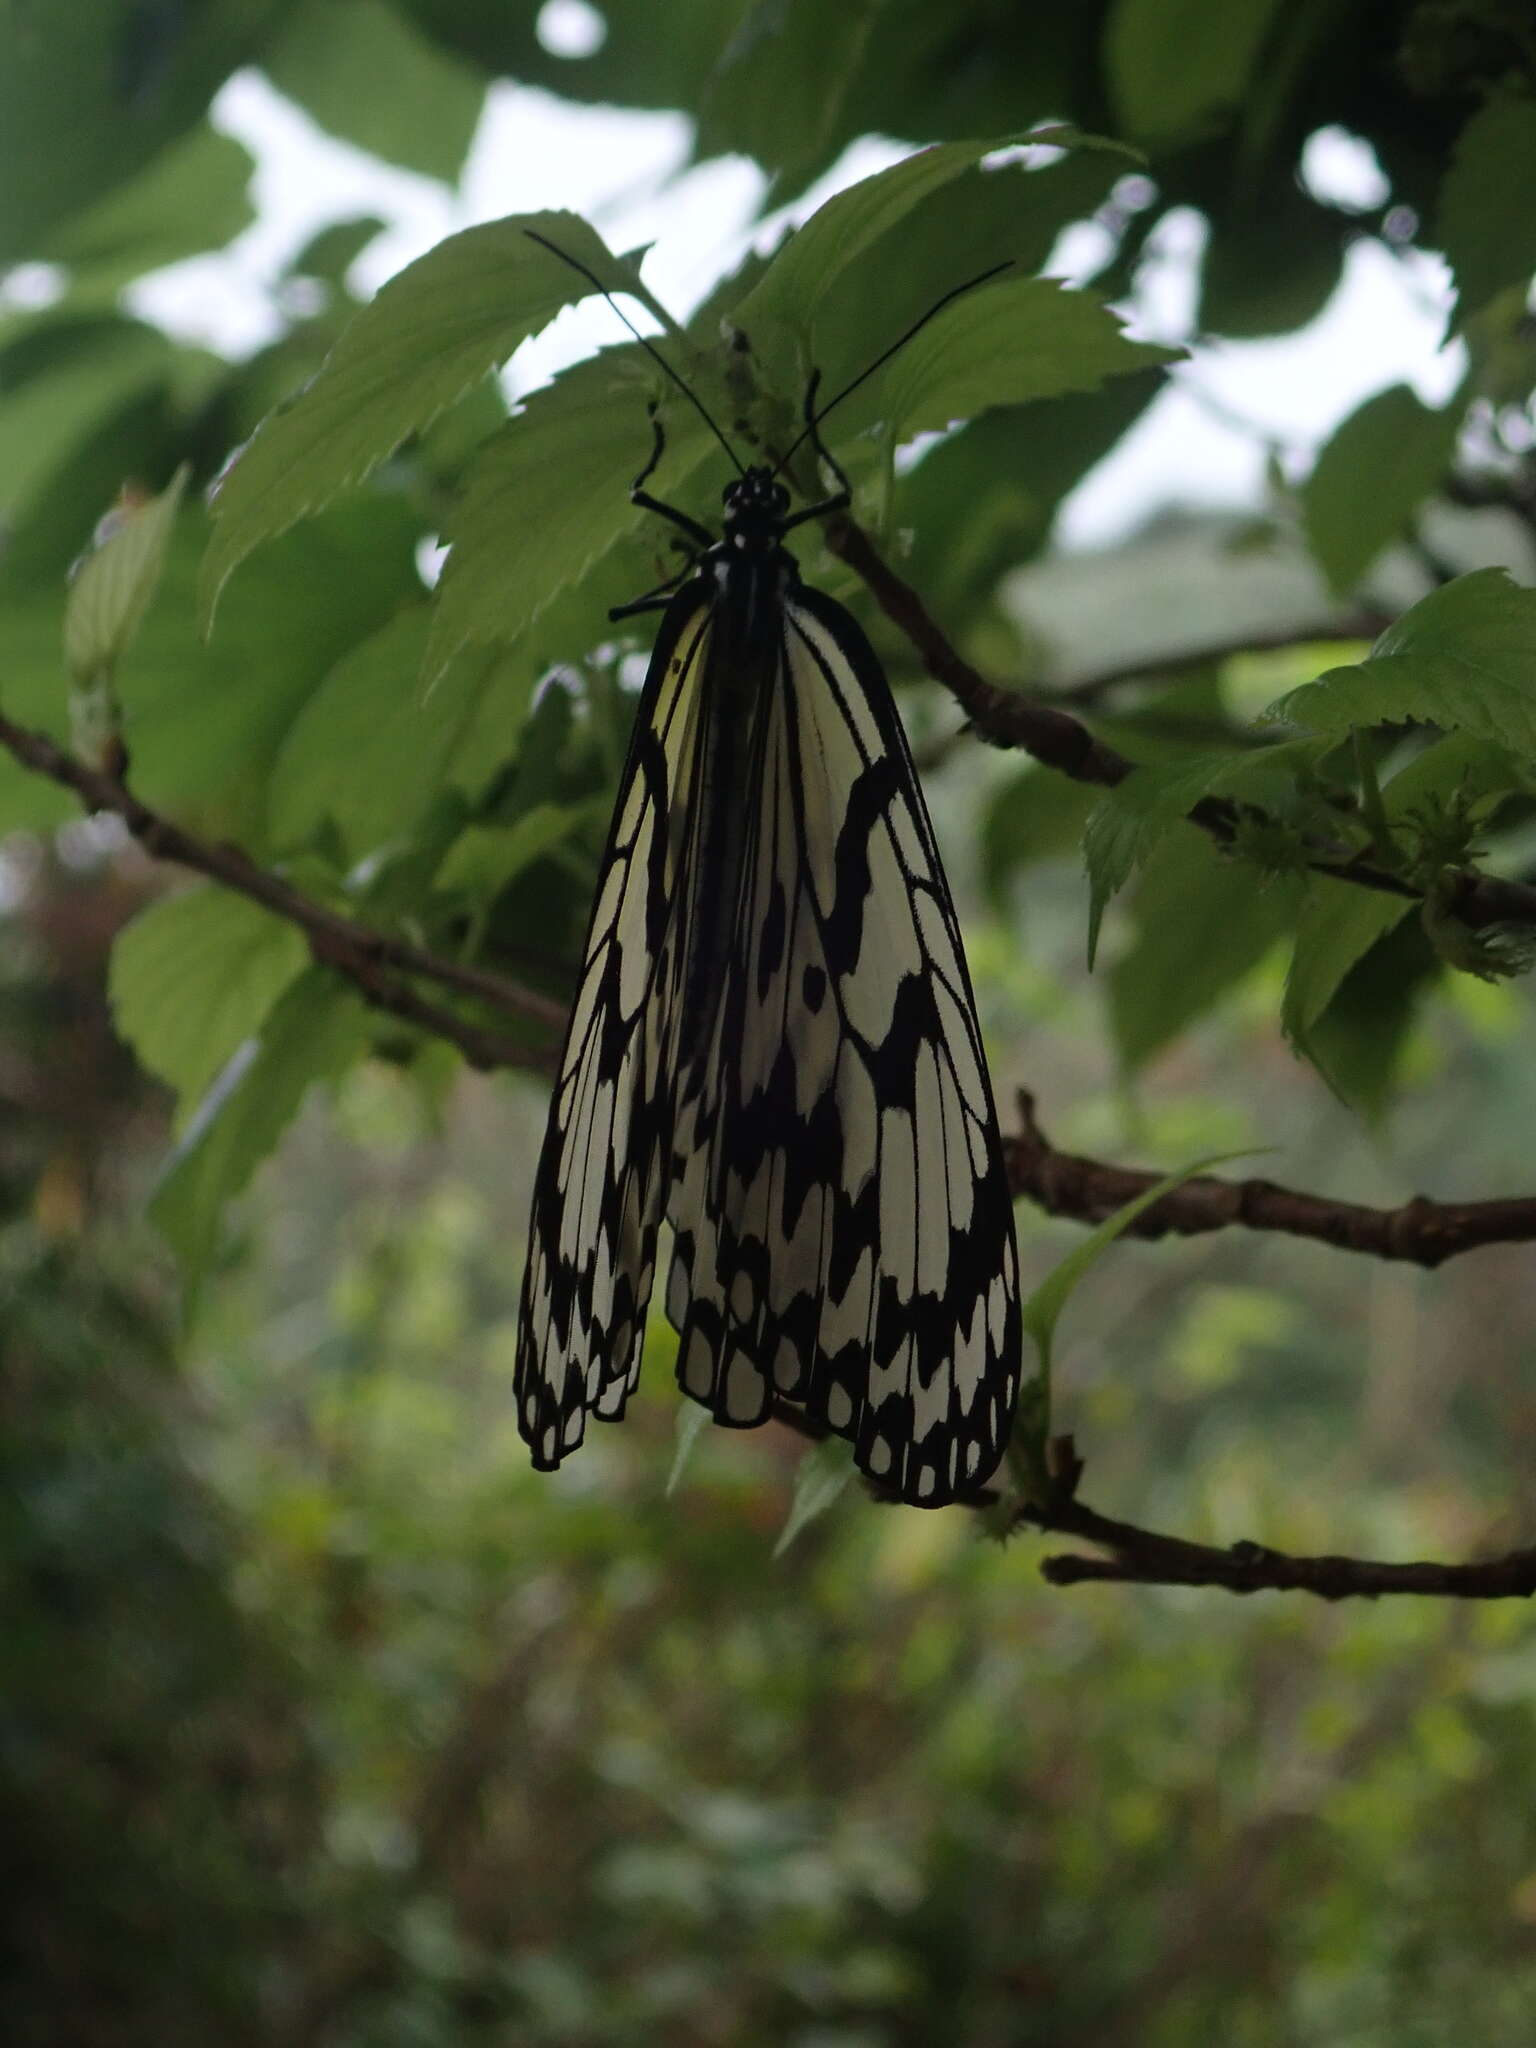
<point>756,506</point>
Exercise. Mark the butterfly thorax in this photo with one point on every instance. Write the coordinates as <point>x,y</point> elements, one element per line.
<point>752,574</point>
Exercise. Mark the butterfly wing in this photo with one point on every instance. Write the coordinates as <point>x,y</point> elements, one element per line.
<point>840,1203</point>
<point>600,1185</point>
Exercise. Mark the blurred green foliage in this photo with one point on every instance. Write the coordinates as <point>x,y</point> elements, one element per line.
<point>324,1721</point>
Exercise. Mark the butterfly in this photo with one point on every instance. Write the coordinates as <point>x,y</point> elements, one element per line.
<point>774,1047</point>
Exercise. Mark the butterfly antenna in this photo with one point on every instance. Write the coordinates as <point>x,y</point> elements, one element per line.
<point>650,348</point>
<point>884,357</point>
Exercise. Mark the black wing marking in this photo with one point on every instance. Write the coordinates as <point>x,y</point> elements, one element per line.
<point>844,1228</point>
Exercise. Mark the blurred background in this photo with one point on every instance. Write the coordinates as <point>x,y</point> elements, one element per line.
<point>326,1723</point>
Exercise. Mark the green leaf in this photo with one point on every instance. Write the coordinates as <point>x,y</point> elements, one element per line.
<point>1018,339</point>
<point>548,496</point>
<point>1376,470</point>
<point>1203,924</point>
<point>982,500</point>
<point>90,93</point>
<point>1463,657</point>
<point>1357,1043</point>
<point>1485,223</point>
<point>113,585</point>
<point>206,721</point>
<point>32,693</point>
<point>1270,267</point>
<point>373,749</point>
<point>434,330</point>
<point>484,858</point>
<point>1132,820</point>
<point>1178,69</point>
<point>96,371</point>
<point>194,195</point>
<point>1338,924</point>
<point>820,1477</point>
<point>330,254</point>
<point>807,268</point>
<point>368,75</point>
<point>692,1420</point>
<point>317,1030</point>
<point>779,86</point>
<point>194,976</point>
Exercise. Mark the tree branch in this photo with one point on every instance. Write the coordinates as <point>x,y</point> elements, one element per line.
<point>1419,1232</point>
<point>1143,1557</point>
<point>364,957</point>
<point>1007,718</point>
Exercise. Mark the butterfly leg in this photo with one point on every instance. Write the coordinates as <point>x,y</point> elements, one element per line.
<point>842,497</point>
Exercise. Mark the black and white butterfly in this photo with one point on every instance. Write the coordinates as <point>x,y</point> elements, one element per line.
<point>774,1049</point>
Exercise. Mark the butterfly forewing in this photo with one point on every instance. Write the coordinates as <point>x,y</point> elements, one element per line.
<point>774,1045</point>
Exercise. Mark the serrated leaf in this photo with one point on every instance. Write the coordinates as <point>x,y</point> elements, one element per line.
<point>1463,657</point>
<point>112,587</point>
<point>316,1031</point>
<point>1016,340</point>
<point>193,977</point>
<point>1485,223</point>
<point>1134,818</point>
<point>820,1477</point>
<point>434,330</point>
<point>1339,922</point>
<point>1371,477</point>
<point>1178,68</point>
<point>367,74</point>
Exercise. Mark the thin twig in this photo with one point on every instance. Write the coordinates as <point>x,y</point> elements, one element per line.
<point>1419,1232</point>
<point>1134,1556</point>
<point>364,957</point>
<point>1365,624</point>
